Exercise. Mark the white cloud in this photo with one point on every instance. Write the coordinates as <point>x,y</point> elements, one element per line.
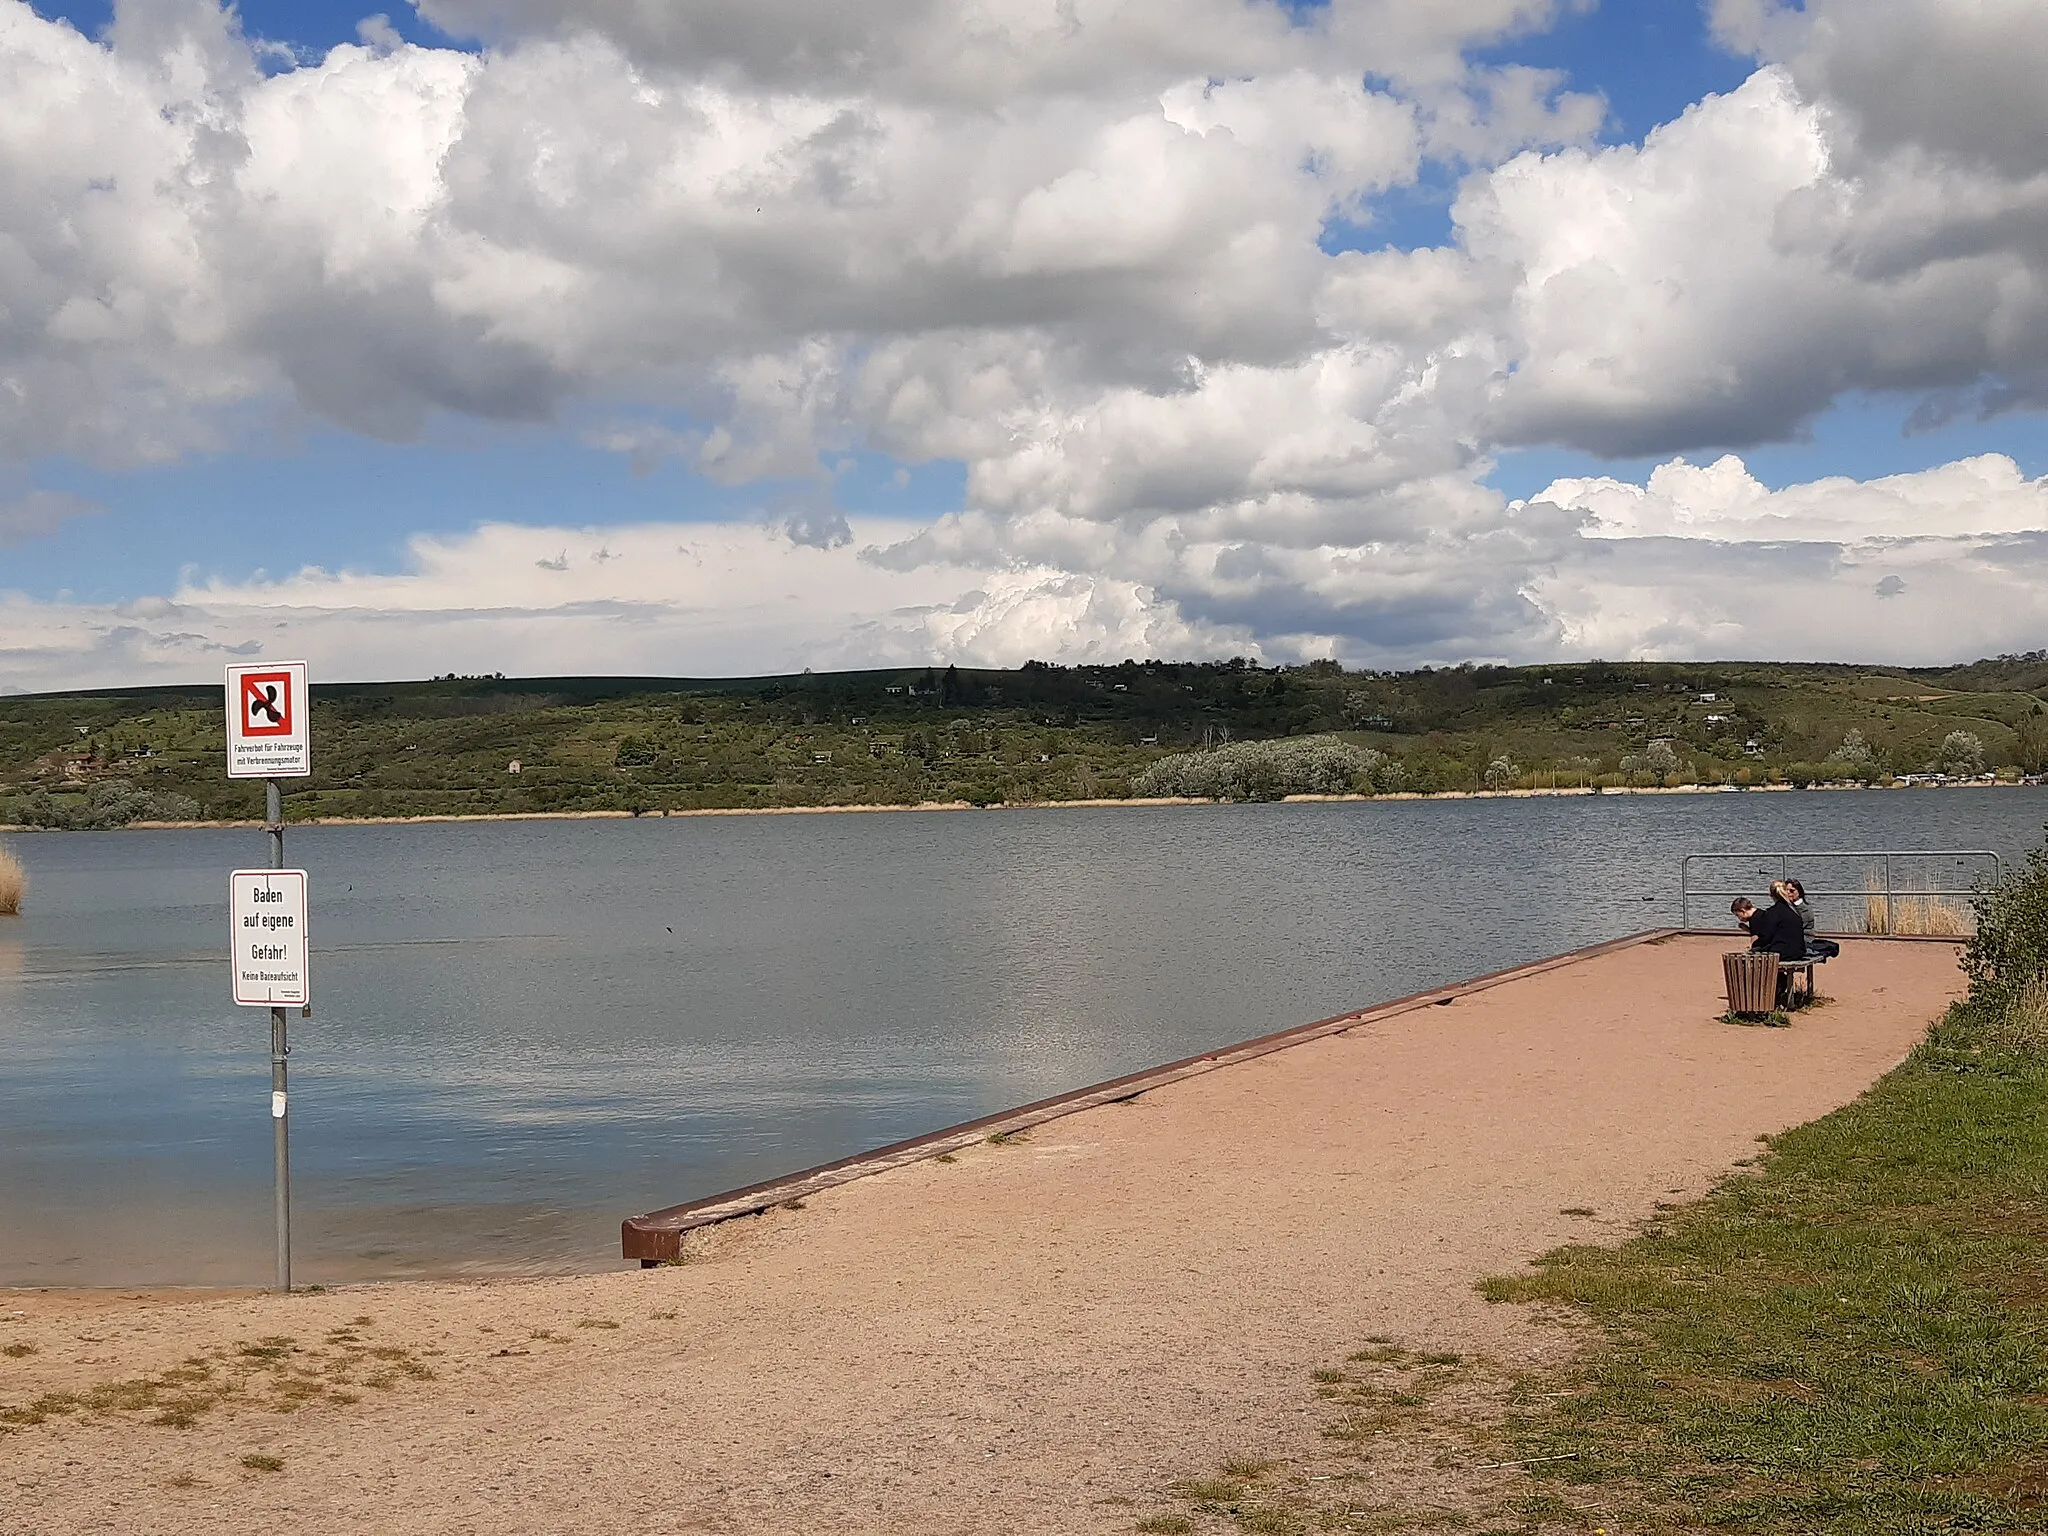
<point>1073,244</point>
<point>1907,601</point>
<point>1958,79</point>
<point>619,204</point>
<point>913,49</point>
<point>1722,501</point>
<point>1697,561</point>
<point>995,50</point>
<point>659,599</point>
<point>1868,212</point>
<point>397,230</point>
<point>1942,564</point>
<point>1052,616</point>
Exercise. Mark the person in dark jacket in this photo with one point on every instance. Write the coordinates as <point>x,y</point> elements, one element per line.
<point>1775,928</point>
<point>1793,894</point>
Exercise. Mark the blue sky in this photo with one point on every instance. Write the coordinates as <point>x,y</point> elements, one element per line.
<point>311,27</point>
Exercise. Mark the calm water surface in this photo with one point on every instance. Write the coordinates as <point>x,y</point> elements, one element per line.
<point>524,1031</point>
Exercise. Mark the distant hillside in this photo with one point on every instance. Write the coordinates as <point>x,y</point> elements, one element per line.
<point>496,745</point>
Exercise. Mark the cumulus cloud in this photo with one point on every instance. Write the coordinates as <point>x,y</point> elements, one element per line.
<point>685,205</point>
<point>1958,81</point>
<point>1729,279</point>
<point>396,230</point>
<point>1722,501</point>
<point>1906,601</point>
<point>1703,560</point>
<point>1924,209</point>
<point>1075,245</point>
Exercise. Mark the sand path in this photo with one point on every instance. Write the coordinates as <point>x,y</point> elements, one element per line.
<point>1004,1342</point>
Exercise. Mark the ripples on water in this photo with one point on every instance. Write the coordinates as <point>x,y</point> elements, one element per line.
<point>525,1030</point>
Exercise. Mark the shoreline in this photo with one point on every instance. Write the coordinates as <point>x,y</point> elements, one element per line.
<point>662,1235</point>
<point>1132,1289</point>
<point>1565,792</point>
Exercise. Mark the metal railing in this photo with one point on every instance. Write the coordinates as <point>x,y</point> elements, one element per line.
<point>1884,870</point>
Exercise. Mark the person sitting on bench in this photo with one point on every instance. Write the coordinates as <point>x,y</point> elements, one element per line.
<point>1793,894</point>
<point>1775,928</point>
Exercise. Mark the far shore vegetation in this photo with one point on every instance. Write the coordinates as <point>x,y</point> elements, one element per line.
<point>1847,1338</point>
<point>1037,734</point>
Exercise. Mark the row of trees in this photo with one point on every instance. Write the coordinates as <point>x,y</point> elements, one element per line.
<point>1309,765</point>
<point>1961,755</point>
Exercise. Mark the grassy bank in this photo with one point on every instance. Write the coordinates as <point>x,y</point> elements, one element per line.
<point>494,745</point>
<point>1852,1339</point>
<point>1847,1338</point>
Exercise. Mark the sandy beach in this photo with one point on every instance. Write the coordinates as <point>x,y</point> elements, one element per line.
<point>1036,1336</point>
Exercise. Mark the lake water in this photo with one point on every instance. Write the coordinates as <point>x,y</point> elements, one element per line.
<point>525,1031</point>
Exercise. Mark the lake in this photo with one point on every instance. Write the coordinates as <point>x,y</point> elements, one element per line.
<point>524,1031</point>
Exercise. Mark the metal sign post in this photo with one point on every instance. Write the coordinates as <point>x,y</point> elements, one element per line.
<point>280,1048</point>
<point>269,737</point>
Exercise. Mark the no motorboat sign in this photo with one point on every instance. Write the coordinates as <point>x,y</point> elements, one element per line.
<point>267,915</point>
<point>267,721</point>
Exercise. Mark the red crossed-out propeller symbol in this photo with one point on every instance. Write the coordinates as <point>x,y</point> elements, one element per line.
<point>265,703</point>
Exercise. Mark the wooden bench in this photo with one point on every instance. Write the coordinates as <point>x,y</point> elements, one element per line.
<point>1788,972</point>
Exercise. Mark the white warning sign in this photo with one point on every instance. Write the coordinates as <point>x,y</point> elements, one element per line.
<point>267,721</point>
<point>267,911</point>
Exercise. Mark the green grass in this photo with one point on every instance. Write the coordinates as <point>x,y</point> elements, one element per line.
<point>1248,1467</point>
<point>1209,1490</point>
<point>273,1374</point>
<point>1852,1340</point>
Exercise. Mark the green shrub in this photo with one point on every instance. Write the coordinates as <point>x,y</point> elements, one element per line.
<point>2009,951</point>
<point>1962,754</point>
<point>1269,770</point>
<point>108,803</point>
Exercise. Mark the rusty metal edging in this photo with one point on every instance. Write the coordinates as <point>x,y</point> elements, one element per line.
<point>658,1236</point>
<point>1846,938</point>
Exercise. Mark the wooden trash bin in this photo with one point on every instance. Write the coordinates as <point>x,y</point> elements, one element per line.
<point>1752,977</point>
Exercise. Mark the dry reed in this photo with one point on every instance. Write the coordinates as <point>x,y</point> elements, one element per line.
<point>2024,1025</point>
<point>1914,913</point>
<point>13,883</point>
